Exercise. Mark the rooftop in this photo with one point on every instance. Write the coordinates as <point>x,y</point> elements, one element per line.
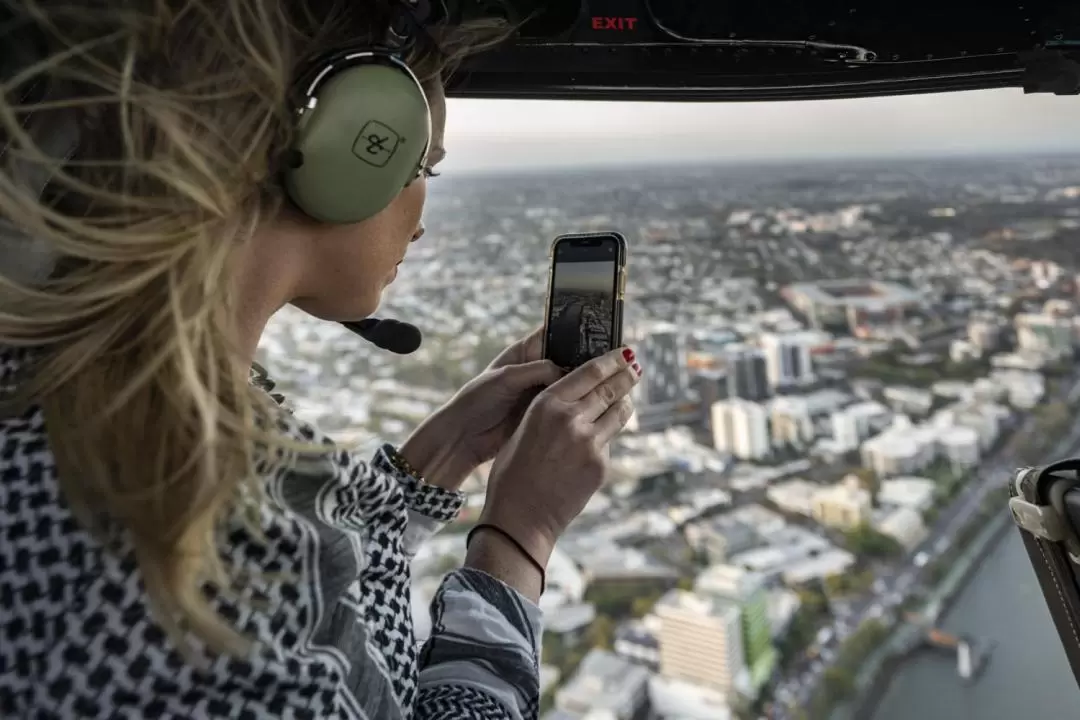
<point>604,680</point>
<point>856,293</point>
<point>705,605</point>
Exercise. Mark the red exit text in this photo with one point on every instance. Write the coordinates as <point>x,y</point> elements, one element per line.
<point>614,23</point>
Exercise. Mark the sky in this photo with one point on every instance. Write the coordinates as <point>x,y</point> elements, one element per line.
<point>508,135</point>
<point>584,276</point>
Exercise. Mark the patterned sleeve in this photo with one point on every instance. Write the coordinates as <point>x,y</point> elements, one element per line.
<point>480,661</point>
<point>482,658</point>
<point>429,507</point>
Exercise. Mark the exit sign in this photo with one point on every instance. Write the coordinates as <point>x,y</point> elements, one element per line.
<point>618,24</point>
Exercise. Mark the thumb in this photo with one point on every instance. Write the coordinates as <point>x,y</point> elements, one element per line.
<point>538,373</point>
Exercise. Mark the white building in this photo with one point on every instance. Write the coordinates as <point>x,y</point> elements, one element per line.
<point>701,640</point>
<point>909,399</point>
<point>960,446</point>
<point>679,700</point>
<point>985,418</point>
<point>607,683</point>
<point>910,492</point>
<point>793,496</point>
<point>905,525</point>
<point>1044,333</point>
<point>1024,390</point>
<point>902,449</point>
<point>844,505</point>
<point>741,428</point>
<point>791,423</point>
<point>855,423</point>
<point>787,358</point>
<point>985,334</point>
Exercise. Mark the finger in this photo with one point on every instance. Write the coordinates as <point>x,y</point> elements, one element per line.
<point>581,381</point>
<point>519,378</point>
<point>607,393</point>
<point>527,349</point>
<point>532,347</point>
<point>612,422</point>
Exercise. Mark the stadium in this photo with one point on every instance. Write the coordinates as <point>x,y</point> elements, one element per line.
<point>854,305</point>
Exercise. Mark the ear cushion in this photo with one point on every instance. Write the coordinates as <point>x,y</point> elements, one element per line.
<point>362,142</point>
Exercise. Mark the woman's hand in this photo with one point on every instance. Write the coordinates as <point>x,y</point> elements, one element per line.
<point>481,417</point>
<point>557,458</point>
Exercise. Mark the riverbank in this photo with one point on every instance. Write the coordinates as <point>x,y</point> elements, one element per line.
<point>881,666</point>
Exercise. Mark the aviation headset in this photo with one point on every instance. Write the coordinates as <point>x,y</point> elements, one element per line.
<point>363,132</point>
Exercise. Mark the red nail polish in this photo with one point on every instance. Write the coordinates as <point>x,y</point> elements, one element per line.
<point>628,355</point>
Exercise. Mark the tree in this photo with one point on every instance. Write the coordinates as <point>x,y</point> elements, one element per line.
<point>643,605</point>
<point>841,584</point>
<point>868,542</point>
<point>601,634</point>
<point>870,482</point>
<point>813,600</point>
<point>863,641</point>
<point>838,684</point>
<point>547,701</point>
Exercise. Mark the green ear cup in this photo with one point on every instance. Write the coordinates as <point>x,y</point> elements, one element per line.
<point>361,140</point>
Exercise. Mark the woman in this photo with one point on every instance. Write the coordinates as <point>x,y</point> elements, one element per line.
<point>174,544</point>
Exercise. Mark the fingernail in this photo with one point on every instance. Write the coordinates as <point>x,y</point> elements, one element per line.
<point>637,369</point>
<point>628,355</point>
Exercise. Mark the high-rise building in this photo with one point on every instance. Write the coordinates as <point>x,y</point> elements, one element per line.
<point>1045,333</point>
<point>741,428</point>
<point>701,640</point>
<point>662,353</point>
<point>790,422</point>
<point>747,590</point>
<point>985,334</point>
<point>748,376</point>
<point>787,359</point>
<point>855,423</point>
<point>711,386</point>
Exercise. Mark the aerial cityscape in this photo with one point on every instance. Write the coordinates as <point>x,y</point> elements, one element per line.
<point>844,363</point>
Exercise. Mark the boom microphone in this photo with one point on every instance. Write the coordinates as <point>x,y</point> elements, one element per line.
<point>393,335</point>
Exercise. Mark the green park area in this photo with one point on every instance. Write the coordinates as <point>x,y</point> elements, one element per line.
<point>889,368</point>
<point>838,682</point>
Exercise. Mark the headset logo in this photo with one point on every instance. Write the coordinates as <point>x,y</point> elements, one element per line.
<point>376,143</point>
<point>614,23</point>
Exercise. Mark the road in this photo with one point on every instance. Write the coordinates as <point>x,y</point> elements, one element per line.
<point>894,586</point>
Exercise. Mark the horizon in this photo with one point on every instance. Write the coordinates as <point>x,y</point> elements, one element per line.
<point>767,162</point>
<point>498,135</point>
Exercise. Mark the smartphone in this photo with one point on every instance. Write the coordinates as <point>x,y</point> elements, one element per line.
<point>583,318</point>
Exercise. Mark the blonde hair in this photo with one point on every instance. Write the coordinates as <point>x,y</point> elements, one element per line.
<point>184,109</point>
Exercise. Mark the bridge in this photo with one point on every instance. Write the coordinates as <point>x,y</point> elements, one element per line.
<point>971,655</point>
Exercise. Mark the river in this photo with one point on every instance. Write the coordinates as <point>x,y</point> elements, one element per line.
<point>1028,677</point>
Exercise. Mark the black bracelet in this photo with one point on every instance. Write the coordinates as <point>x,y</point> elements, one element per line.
<point>513,541</point>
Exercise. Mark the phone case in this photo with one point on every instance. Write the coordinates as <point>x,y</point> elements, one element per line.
<point>620,287</point>
<point>1045,505</point>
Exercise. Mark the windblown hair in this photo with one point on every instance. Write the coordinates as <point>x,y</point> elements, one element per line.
<point>184,110</point>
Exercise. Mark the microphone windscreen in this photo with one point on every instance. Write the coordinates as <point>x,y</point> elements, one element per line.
<point>393,335</point>
<point>399,337</point>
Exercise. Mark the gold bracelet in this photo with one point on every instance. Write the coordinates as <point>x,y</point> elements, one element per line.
<point>398,461</point>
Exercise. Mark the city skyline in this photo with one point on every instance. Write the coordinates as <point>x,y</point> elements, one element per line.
<point>852,459</point>
<point>526,135</point>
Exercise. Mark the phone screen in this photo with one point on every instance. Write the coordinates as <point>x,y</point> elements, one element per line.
<point>583,312</point>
